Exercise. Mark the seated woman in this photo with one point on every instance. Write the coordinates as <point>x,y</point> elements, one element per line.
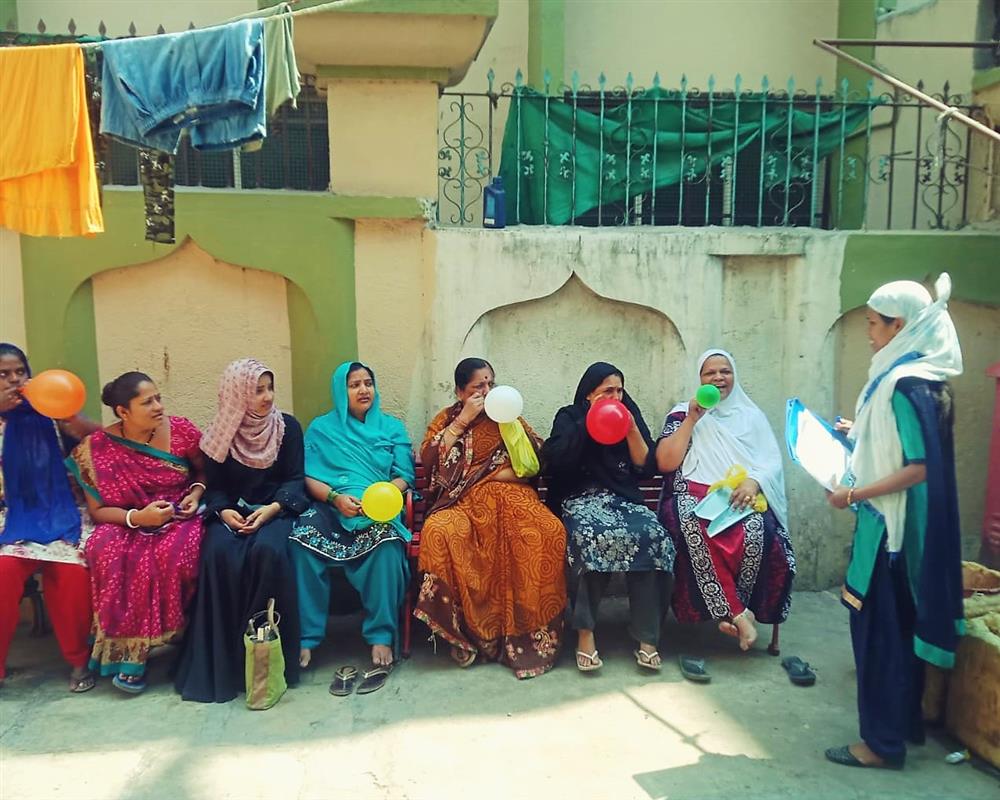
<point>492,555</point>
<point>256,489</point>
<point>348,449</point>
<point>595,488</point>
<point>143,479</point>
<point>41,527</point>
<point>744,573</point>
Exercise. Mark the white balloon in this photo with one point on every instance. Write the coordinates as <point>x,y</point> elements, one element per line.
<point>504,404</point>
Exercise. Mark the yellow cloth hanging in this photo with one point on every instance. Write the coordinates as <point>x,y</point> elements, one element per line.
<point>735,475</point>
<point>48,183</point>
<point>523,458</point>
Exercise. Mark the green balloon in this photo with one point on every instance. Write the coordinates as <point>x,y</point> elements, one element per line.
<point>708,396</point>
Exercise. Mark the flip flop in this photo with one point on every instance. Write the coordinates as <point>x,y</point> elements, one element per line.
<point>343,681</point>
<point>588,662</point>
<point>82,684</point>
<point>464,658</point>
<point>645,660</point>
<point>129,687</point>
<point>799,671</point>
<point>694,669</point>
<point>374,679</point>
<point>844,757</point>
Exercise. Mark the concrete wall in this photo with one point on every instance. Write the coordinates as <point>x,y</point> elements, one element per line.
<point>198,314</point>
<point>173,15</point>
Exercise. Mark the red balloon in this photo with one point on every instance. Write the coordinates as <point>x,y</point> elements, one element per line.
<point>56,393</point>
<point>608,421</point>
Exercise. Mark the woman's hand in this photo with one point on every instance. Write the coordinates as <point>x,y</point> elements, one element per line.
<point>472,409</point>
<point>10,398</point>
<point>744,494</point>
<point>838,497</point>
<point>188,505</point>
<point>157,513</point>
<point>348,505</point>
<point>843,425</point>
<point>234,519</point>
<point>260,517</point>
<point>695,410</point>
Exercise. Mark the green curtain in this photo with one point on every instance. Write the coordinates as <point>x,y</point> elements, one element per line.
<point>614,157</point>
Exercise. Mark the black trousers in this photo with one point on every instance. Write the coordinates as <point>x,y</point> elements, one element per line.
<point>648,594</point>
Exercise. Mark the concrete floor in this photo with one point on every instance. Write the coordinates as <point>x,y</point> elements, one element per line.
<point>436,732</point>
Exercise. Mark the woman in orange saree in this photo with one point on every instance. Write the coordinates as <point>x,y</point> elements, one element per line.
<point>491,553</point>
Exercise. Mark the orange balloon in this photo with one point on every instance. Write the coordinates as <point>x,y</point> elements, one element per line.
<point>56,393</point>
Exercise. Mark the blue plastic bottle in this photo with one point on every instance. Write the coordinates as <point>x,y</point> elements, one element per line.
<point>495,205</point>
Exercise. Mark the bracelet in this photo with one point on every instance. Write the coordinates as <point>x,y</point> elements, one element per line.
<point>204,488</point>
<point>456,433</point>
<point>128,519</point>
<point>332,496</point>
<point>850,496</point>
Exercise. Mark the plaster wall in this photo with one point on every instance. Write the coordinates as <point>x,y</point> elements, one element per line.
<point>197,315</point>
<point>978,329</point>
<point>173,15</point>
<point>11,289</point>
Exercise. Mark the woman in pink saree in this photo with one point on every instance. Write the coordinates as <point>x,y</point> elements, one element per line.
<point>142,478</point>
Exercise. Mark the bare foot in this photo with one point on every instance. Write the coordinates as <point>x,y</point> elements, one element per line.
<point>649,649</point>
<point>381,655</point>
<point>729,629</point>
<point>305,656</point>
<point>747,630</point>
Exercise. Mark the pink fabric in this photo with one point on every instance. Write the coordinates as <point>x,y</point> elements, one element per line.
<point>252,440</point>
<point>141,583</point>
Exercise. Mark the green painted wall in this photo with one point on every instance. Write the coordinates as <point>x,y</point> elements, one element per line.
<point>302,237</point>
<point>874,258</point>
<point>8,15</point>
<point>546,41</point>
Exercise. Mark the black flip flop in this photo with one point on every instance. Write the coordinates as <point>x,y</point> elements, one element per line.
<point>343,681</point>
<point>694,669</point>
<point>844,757</point>
<point>374,679</point>
<point>799,671</point>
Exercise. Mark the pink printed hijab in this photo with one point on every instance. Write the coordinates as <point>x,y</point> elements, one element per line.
<point>250,439</point>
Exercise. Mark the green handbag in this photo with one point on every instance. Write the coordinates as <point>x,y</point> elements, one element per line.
<point>265,663</point>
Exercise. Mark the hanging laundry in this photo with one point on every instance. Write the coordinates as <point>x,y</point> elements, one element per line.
<point>156,174</point>
<point>281,72</point>
<point>48,185</point>
<point>210,82</point>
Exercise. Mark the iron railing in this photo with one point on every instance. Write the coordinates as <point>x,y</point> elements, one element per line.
<point>897,168</point>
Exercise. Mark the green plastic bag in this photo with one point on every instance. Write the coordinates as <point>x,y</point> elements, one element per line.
<point>523,458</point>
<point>265,663</point>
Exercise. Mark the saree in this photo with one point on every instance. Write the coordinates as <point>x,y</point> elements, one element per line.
<point>491,553</point>
<point>142,581</point>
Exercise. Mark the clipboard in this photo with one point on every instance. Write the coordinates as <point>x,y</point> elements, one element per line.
<point>813,444</point>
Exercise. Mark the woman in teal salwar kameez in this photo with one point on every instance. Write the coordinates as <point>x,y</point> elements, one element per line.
<point>347,450</point>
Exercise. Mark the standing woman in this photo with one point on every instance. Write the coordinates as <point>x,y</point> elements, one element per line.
<point>256,490</point>
<point>143,479</point>
<point>595,488</point>
<point>41,525</point>
<point>904,581</point>
<point>492,554</point>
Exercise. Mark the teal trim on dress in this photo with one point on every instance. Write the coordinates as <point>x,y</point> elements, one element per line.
<point>122,667</point>
<point>960,627</point>
<point>153,452</point>
<point>74,470</point>
<point>932,654</point>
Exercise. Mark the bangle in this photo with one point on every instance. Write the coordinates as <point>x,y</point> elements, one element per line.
<point>128,519</point>
<point>456,433</point>
<point>331,496</point>
<point>850,496</point>
<point>204,488</point>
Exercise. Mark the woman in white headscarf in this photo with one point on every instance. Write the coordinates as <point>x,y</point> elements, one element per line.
<point>904,582</point>
<point>744,572</point>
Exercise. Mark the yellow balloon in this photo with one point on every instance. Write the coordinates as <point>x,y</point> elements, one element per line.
<point>382,501</point>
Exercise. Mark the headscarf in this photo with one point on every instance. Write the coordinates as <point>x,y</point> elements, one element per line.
<point>349,454</point>
<point>926,347</point>
<point>251,439</point>
<point>609,466</point>
<point>40,503</point>
<point>735,432</point>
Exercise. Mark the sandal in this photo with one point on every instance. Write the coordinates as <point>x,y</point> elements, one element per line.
<point>121,682</point>
<point>588,662</point>
<point>844,757</point>
<point>645,660</point>
<point>82,683</point>
<point>799,671</point>
<point>343,681</point>
<point>463,658</point>
<point>374,679</point>
<point>694,669</point>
